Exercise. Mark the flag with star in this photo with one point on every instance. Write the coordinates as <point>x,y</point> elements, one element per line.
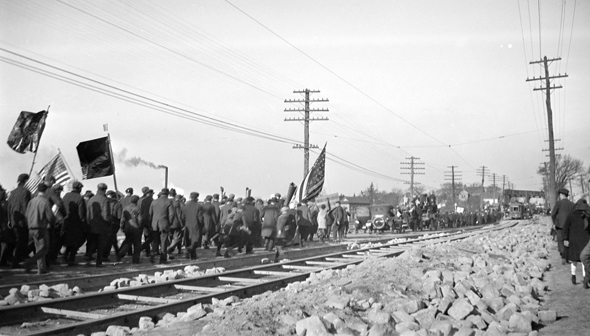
<point>312,184</point>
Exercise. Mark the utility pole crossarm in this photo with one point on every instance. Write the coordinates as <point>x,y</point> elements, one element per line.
<point>306,119</point>
<point>544,78</point>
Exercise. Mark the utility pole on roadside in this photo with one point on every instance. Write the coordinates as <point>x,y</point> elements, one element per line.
<point>545,63</point>
<point>503,184</point>
<point>412,168</point>
<point>494,185</point>
<point>453,177</point>
<point>306,120</point>
<point>483,173</point>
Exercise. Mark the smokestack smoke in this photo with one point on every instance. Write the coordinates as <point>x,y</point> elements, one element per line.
<point>135,161</point>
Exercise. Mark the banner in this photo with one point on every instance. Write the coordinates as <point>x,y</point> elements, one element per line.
<point>332,198</point>
<point>56,168</point>
<point>312,184</point>
<point>95,158</point>
<point>27,131</point>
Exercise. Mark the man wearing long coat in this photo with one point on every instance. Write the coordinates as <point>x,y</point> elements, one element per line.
<point>193,217</point>
<point>75,228</point>
<point>563,207</point>
<point>209,220</point>
<point>176,224</point>
<point>251,221</point>
<point>100,214</point>
<point>161,213</point>
<point>144,205</point>
<point>17,207</point>
<point>39,219</point>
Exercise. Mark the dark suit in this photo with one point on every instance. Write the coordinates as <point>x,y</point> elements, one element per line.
<point>17,206</point>
<point>99,212</point>
<point>144,205</point>
<point>75,228</point>
<point>251,220</point>
<point>161,213</point>
<point>176,227</point>
<point>192,214</point>
<point>561,210</point>
<point>209,222</point>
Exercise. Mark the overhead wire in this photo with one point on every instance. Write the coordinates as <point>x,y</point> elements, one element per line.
<point>342,78</point>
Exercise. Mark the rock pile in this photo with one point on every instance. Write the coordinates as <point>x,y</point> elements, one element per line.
<point>190,271</point>
<point>34,293</point>
<point>488,285</point>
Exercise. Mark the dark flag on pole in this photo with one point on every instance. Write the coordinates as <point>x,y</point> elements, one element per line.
<point>312,184</point>
<point>95,158</point>
<point>27,131</point>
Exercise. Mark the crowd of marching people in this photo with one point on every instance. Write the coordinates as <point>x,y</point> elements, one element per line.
<point>36,227</point>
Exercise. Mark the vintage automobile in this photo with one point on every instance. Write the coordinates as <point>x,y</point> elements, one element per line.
<point>382,217</point>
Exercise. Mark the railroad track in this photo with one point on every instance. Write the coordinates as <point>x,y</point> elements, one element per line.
<point>93,312</point>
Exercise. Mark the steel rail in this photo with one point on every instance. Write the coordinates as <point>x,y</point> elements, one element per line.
<point>95,281</point>
<point>254,278</point>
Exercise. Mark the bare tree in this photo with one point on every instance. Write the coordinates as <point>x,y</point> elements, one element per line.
<point>566,168</point>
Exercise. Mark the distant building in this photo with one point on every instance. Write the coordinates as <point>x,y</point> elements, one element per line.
<point>350,203</point>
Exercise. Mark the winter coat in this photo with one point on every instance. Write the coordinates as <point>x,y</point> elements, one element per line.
<point>574,231</point>
<point>269,214</point>
<point>75,227</point>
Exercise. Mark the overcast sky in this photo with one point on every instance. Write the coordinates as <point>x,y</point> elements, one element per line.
<point>440,80</point>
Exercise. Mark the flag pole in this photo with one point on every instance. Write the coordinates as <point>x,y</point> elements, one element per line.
<point>36,150</point>
<point>112,159</point>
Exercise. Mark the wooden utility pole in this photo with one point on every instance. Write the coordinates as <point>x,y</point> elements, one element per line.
<point>453,178</point>
<point>412,168</point>
<point>306,120</point>
<point>483,173</point>
<point>545,63</point>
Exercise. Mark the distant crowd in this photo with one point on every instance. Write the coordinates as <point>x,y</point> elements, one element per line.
<point>34,228</point>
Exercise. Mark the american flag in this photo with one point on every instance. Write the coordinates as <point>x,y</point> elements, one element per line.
<point>312,184</point>
<point>57,168</point>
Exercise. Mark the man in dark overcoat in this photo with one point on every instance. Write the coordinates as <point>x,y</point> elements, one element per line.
<point>99,211</point>
<point>161,213</point>
<point>17,206</point>
<point>130,225</point>
<point>177,223</point>
<point>562,208</point>
<point>74,228</point>
<point>251,221</point>
<point>193,217</point>
<point>339,222</point>
<point>144,204</point>
<point>209,221</point>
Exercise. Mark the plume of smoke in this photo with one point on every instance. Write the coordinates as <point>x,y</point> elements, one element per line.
<point>134,161</point>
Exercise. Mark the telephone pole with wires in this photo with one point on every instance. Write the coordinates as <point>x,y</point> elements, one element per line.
<point>453,177</point>
<point>483,173</point>
<point>547,88</point>
<point>306,120</point>
<point>412,168</point>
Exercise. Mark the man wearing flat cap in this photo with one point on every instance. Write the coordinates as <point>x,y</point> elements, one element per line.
<point>194,225</point>
<point>209,220</point>
<point>176,224</point>
<point>144,203</point>
<point>39,219</point>
<point>161,213</point>
<point>75,228</point>
<point>562,208</point>
<point>99,211</point>
<point>17,206</point>
<point>217,205</point>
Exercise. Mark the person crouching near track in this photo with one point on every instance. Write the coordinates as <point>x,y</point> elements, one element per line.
<point>231,233</point>
<point>130,225</point>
